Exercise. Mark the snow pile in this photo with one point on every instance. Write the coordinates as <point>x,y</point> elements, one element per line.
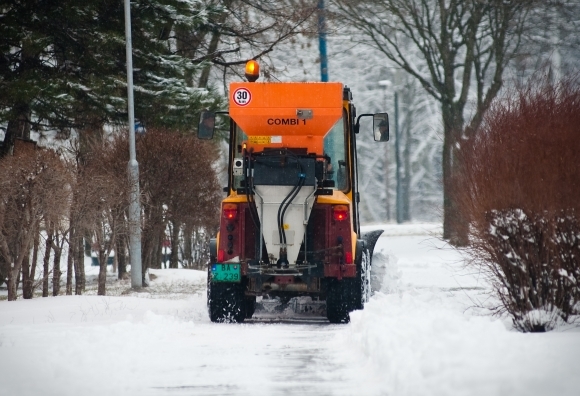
<point>422,334</point>
<point>385,275</point>
<point>418,346</point>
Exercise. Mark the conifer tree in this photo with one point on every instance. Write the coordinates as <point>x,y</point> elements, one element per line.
<point>62,64</point>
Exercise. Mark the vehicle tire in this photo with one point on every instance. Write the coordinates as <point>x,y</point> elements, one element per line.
<point>363,281</point>
<point>226,302</point>
<point>366,288</point>
<point>340,299</point>
<point>250,302</point>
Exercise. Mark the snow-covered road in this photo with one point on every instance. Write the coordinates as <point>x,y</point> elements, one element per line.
<point>420,335</point>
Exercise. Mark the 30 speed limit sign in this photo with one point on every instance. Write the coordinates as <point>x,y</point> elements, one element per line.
<point>242,96</point>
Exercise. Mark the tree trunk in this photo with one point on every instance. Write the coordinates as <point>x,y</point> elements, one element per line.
<point>150,259</point>
<point>115,259</point>
<point>187,259</point>
<point>102,291</point>
<point>407,169</point>
<point>46,261</point>
<point>29,270</point>
<point>18,127</point>
<point>3,270</point>
<point>154,249</point>
<point>174,260</point>
<point>12,284</point>
<point>69,262</point>
<point>56,272</point>
<point>18,277</point>
<point>145,249</point>
<point>34,260</point>
<point>121,257</point>
<point>157,256</point>
<point>13,281</point>
<point>201,243</point>
<point>213,45</point>
<point>386,164</point>
<point>14,264</point>
<point>79,264</point>
<point>146,238</point>
<point>26,281</point>
<point>454,227</point>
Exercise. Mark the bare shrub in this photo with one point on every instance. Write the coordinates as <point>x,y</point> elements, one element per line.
<point>102,200</point>
<point>34,189</point>
<point>180,193</point>
<point>519,189</point>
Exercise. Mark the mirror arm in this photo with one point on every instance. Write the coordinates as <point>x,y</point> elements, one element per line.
<point>357,125</point>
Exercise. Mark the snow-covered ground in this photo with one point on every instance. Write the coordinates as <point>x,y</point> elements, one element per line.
<point>421,334</point>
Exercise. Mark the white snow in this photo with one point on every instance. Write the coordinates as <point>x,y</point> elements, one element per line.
<point>421,334</point>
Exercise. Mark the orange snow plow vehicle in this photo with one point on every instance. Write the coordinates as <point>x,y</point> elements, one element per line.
<point>289,225</point>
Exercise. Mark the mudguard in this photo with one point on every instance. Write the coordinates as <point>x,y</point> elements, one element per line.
<point>212,250</point>
<point>371,239</point>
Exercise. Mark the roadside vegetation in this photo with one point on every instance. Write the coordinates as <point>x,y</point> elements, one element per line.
<point>519,190</point>
<point>51,203</point>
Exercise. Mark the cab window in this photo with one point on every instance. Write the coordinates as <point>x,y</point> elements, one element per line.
<point>335,148</point>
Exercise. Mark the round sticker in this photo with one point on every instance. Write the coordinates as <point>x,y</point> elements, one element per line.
<point>242,96</point>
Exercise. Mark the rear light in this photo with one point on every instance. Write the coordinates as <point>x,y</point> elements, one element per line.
<point>340,212</point>
<point>221,256</point>
<point>230,211</point>
<point>348,257</point>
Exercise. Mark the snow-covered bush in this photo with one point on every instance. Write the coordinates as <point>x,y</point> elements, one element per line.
<point>519,190</point>
<point>534,263</point>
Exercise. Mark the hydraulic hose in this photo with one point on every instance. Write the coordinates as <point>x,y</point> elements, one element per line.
<point>301,181</point>
<point>290,197</point>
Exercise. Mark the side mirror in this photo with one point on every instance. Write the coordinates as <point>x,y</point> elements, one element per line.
<point>381,127</point>
<point>206,125</point>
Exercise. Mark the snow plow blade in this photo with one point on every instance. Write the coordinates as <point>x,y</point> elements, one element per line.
<point>371,239</point>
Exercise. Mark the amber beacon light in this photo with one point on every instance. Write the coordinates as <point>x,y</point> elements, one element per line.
<point>252,70</point>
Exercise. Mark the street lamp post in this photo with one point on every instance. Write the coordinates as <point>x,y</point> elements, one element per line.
<point>386,84</point>
<point>133,166</point>
<point>399,197</point>
<point>400,216</point>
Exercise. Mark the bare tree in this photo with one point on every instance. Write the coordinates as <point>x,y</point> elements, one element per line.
<point>457,49</point>
<point>240,30</point>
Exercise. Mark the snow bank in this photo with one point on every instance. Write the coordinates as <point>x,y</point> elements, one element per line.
<point>406,229</point>
<point>421,347</point>
<point>422,335</point>
<point>97,345</point>
<point>385,275</point>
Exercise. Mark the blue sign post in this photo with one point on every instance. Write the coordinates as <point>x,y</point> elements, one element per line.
<point>322,42</point>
